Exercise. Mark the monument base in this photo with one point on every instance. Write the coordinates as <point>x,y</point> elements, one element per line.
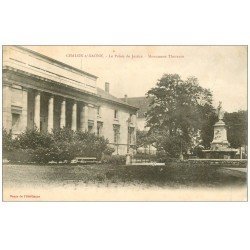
<point>220,145</point>
<point>226,153</point>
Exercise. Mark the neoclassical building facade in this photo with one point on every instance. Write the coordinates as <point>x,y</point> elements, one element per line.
<point>41,92</point>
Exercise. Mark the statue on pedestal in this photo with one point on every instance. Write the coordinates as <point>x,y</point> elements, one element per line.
<point>220,111</point>
<point>220,145</point>
<point>220,131</point>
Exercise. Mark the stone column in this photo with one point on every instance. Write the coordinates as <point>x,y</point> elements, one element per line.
<point>63,114</point>
<point>74,116</point>
<point>37,110</point>
<point>95,120</point>
<point>24,118</point>
<point>84,118</point>
<point>51,113</point>
<point>7,117</point>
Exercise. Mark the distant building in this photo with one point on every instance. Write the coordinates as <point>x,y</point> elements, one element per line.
<point>41,92</point>
<point>142,103</point>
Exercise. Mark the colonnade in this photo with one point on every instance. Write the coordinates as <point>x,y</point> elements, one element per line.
<point>83,109</point>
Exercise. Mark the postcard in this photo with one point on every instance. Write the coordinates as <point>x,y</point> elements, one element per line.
<point>124,123</point>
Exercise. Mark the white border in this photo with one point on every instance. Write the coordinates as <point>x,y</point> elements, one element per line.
<point>124,225</point>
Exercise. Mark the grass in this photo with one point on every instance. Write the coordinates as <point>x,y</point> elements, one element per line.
<point>173,175</point>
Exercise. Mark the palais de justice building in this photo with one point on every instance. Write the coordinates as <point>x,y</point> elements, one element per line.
<point>41,92</point>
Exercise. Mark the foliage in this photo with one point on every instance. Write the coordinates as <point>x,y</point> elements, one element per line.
<point>141,138</point>
<point>114,159</point>
<point>207,130</point>
<point>33,139</point>
<point>90,144</point>
<point>63,135</point>
<point>197,151</point>
<point>109,151</point>
<point>177,113</point>
<point>7,141</point>
<point>236,128</point>
<point>21,155</point>
<point>144,138</point>
<point>60,145</point>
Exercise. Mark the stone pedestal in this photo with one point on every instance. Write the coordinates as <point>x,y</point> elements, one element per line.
<point>220,136</point>
<point>220,145</point>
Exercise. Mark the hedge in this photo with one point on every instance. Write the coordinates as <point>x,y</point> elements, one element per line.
<point>114,159</point>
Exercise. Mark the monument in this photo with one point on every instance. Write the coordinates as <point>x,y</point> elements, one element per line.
<point>220,145</point>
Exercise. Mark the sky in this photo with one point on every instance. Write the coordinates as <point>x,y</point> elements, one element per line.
<point>133,70</point>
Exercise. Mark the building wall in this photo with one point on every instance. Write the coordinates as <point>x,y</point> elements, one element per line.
<point>15,108</point>
<point>108,119</point>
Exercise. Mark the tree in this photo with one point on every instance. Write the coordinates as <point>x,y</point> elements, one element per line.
<point>207,129</point>
<point>144,139</point>
<point>141,138</point>
<point>178,110</point>
<point>236,128</point>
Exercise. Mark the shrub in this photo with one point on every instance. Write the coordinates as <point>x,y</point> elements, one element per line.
<point>32,138</point>
<point>8,143</point>
<point>63,134</point>
<point>21,155</point>
<point>60,145</point>
<point>80,143</point>
<point>114,159</point>
<point>45,155</point>
<point>94,145</point>
<point>65,151</point>
<point>109,150</point>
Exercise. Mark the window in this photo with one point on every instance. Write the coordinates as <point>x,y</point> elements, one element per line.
<point>99,128</point>
<point>99,111</point>
<point>131,135</point>
<point>90,128</point>
<point>15,122</point>
<point>116,114</point>
<point>116,137</point>
<point>116,133</point>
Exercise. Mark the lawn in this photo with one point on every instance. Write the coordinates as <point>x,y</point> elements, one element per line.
<point>173,175</point>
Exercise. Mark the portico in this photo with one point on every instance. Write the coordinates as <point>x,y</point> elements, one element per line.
<point>48,111</point>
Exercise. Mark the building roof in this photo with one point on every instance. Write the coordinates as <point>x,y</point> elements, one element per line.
<point>142,103</point>
<point>105,95</point>
<point>56,61</point>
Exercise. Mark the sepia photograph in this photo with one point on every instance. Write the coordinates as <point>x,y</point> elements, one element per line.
<point>124,123</point>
